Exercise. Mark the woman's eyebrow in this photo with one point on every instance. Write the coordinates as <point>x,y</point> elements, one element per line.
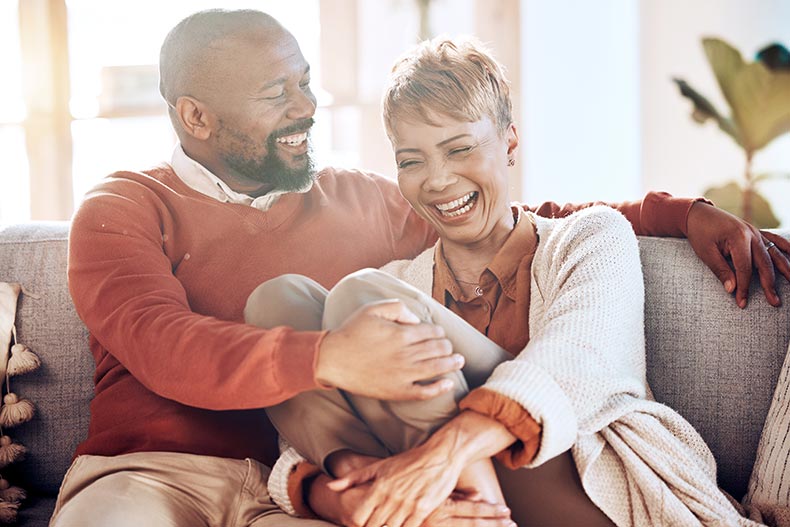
<point>440,143</point>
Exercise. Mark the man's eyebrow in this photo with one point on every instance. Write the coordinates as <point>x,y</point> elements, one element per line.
<point>281,80</point>
<point>441,143</point>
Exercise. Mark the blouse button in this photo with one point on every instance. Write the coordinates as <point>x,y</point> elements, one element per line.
<point>478,291</point>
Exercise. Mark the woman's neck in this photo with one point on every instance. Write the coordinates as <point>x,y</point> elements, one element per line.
<point>468,261</point>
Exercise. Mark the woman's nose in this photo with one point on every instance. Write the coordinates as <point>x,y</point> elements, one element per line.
<point>439,178</point>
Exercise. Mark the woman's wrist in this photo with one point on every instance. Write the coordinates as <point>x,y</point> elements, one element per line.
<point>470,437</point>
<point>322,501</point>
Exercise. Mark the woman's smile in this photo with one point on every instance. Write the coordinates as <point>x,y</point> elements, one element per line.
<point>457,207</point>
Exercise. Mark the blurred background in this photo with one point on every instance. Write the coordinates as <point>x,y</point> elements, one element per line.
<point>598,114</point>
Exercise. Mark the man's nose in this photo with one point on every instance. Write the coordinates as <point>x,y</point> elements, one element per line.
<point>302,105</point>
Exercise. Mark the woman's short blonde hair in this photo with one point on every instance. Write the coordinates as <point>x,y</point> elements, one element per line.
<point>457,78</point>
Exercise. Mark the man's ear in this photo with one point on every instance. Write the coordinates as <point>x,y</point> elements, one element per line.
<point>194,117</point>
<point>512,139</point>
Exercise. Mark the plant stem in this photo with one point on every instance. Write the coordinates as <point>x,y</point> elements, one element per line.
<point>424,9</point>
<point>748,189</point>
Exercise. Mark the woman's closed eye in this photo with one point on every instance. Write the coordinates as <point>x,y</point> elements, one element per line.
<point>461,150</point>
<point>406,163</point>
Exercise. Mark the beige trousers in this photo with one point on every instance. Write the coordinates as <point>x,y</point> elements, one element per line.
<point>166,489</point>
<point>320,422</point>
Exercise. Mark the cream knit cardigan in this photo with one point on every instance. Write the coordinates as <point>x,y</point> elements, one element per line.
<point>582,377</point>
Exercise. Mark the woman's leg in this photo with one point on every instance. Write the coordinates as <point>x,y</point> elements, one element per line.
<point>549,495</point>
<point>298,302</point>
<point>401,425</point>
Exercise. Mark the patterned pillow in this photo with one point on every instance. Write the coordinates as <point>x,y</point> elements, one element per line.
<point>768,497</point>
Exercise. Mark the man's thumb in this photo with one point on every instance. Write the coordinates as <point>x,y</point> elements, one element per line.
<point>395,311</point>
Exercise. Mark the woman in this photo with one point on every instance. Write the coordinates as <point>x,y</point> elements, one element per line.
<point>568,409</point>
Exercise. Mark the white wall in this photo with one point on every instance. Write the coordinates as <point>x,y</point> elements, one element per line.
<point>677,154</point>
<point>580,98</point>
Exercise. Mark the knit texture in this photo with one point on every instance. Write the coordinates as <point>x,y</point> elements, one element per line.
<point>582,377</point>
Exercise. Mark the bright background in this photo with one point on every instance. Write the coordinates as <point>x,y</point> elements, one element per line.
<point>598,115</point>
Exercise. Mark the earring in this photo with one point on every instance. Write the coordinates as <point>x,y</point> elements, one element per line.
<point>511,162</point>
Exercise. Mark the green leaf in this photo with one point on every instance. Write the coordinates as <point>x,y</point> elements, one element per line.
<point>730,198</point>
<point>771,175</point>
<point>758,97</point>
<point>704,110</point>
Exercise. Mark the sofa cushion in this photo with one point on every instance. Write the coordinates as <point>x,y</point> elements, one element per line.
<point>714,363</point>
<point>34,255</point>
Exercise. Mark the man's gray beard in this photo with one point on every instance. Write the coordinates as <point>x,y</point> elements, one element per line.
<point>272,171</point>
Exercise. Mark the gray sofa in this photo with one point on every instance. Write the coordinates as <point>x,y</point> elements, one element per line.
<point>714,363</point>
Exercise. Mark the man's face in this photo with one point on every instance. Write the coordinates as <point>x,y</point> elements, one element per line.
<point>264,109</point>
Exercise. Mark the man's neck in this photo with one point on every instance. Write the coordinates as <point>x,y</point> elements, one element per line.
<point>235,181</point>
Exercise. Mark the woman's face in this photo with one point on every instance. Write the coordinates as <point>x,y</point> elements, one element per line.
<point>454,174</point>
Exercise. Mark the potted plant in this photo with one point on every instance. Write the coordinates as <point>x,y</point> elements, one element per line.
<point>758,94</point>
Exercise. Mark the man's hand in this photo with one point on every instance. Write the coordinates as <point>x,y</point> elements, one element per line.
<point>384,352</point>
<point>458,511</point>
<point>715,234</point>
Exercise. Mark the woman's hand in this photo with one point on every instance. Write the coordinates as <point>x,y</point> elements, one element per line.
<point>461,510</point>
<point>405,489</point>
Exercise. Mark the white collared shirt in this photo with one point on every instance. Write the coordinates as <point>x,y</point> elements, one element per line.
<point>201,179</point>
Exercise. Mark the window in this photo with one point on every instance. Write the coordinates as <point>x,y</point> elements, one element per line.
<point>15,198</point>
<point>113,54</point>
<point>108,115</point>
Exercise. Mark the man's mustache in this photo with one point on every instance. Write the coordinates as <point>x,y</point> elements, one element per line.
<point>299,126</point>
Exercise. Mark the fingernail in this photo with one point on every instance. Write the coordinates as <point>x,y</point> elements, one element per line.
<point>742,303</point>
<point>729,286</point>
<point>459,359</point>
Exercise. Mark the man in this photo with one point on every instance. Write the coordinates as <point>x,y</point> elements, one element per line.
<point>161,263</point>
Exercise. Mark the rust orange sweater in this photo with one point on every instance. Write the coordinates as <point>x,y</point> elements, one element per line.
<point>160,273</point>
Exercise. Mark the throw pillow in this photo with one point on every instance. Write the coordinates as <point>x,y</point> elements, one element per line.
<point>768,497</point>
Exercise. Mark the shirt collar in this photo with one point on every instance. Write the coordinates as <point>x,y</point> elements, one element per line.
<point>204,181</point>
<point>522,241</point>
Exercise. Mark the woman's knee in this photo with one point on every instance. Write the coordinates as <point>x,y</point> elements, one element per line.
<point>290,299</point>
<point>365,287</point>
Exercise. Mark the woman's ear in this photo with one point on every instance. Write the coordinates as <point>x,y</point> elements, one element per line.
<point>193,117</point>
<point>512,139</point>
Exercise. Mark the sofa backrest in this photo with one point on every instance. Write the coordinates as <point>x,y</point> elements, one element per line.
<point>34,254</point>
<point>714,363</point>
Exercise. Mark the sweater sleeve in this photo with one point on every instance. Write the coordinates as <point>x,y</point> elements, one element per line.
<point>586,351</point>
<point>410,234</point>
<point>657,214</point>
<point>124,289</point>
<point>513,416</point>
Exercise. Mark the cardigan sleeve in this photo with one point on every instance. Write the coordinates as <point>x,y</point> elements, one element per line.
<point>510,414</point>
<point>657,214</point>
<point>586,350</point>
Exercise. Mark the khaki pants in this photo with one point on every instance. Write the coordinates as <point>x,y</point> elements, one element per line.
<point>320,422</point>
<point>165,489</point>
